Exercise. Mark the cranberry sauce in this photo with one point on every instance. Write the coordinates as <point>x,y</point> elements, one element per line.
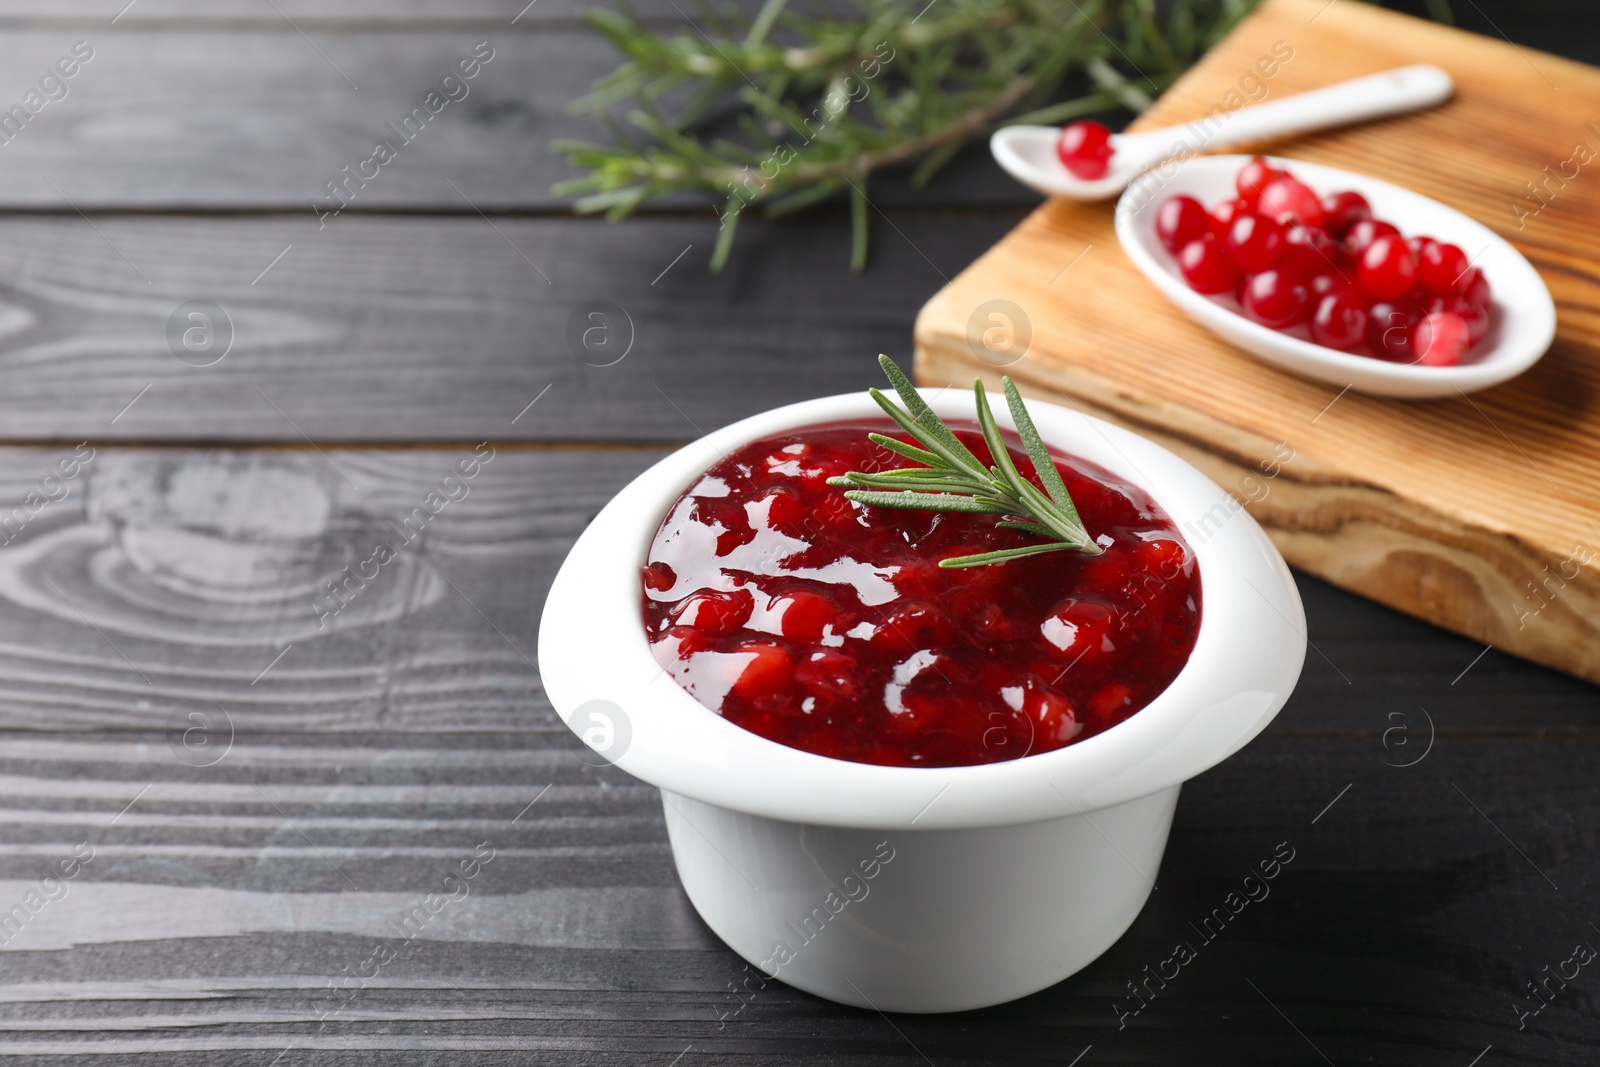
<point>828,626</point>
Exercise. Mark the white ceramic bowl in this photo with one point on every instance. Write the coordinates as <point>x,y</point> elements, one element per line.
<point>1525,314</point>
<point>986,883</point>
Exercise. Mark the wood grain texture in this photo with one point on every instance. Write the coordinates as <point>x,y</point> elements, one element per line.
<point>210,119</point>
<point>242,584</point>
<point>1478,513</point>
<point>262,116</point>
<point>222,901</point>
<point>360,15</point>
<point>276,14</point>
<point>405,329</point>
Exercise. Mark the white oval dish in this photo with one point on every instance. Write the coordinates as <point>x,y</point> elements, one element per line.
<point>1003,878</point>
<point>1524,321</point>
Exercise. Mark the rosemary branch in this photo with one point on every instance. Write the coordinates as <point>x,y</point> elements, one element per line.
<point>953,479</point>
<point>783,107</point>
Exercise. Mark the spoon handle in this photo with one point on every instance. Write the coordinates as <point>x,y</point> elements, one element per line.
<point>1391,92</point>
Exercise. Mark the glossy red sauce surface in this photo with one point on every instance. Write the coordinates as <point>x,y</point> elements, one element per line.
<point>829,626</point>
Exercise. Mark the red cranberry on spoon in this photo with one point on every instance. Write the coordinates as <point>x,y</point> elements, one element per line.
<point>1084,148</point>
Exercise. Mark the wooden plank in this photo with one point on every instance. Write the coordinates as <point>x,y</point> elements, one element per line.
<point>351,14</point>
<point>279,12</point>
<point>215,912</point>
<point>243,585</point>
<point>416,329</point>
<point>1475,513</point>
<point>265,117</point>
<point>198,119</point>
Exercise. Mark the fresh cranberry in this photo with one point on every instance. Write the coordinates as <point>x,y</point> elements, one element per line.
<point>1344,210</point>
<point>1440,339</point>
<point>1206,266</point>
<point>1255,176</point>
<point>1329,281</point>
<point>1254,242</point>
<point>1475,316</point>
<point>1363,233</point>
<point>1275,298</point>
<point>1340,321</point>
<point>1179,220</point>
<point>1473,287</point>
<point>716,612</point>
<point>1440,267</point>
<point>1388,269</point>
<point>1307,251</point>
<point>1226,212</point>
<point>1389,326</point>
<point>1286,198</point>
<point>1084,148</point>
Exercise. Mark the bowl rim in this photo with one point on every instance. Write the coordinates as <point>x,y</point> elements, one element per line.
<point>1526,328</point>
<point>1245,663</point>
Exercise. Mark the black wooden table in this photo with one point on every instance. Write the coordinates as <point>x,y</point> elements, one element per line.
<point>238,759</point>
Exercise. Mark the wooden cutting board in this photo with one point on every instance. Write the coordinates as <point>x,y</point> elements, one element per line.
<point>1481,513</point>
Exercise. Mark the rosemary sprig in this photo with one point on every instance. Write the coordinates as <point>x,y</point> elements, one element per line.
<point>781,105</point>
<point>953,479</point>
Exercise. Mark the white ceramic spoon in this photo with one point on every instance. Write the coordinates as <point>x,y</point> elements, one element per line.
<point>1028,153</point>
<point>1522,324</point>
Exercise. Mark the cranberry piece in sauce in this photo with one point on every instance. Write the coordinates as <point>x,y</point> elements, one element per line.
<point>829,627</point>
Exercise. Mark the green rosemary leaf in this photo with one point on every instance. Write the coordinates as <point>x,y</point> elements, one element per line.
<point>1066,527</point>
<point>1043,465</point>
<point>864,477</point>
<point>969,467</point>
<point>900,447</point>
<point>724,245</point>
<point>1003,554</point>
<point>858,226</point>
<point>782,206</point>
<point>763,23</point>
<point>925,417</point>
<point>1026,527</point>
<point>934,164</point>
<point>915,485</point>
<point>1001,455</point>
<point>922,478</point>
<point>924,502</point>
